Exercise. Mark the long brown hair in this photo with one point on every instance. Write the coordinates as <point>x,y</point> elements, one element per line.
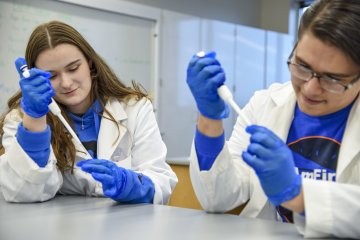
<point>105,84</point>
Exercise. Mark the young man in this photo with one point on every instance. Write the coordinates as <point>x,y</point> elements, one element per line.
<point>301,156</point>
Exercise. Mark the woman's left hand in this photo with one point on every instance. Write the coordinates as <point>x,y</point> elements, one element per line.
<point>112,177</point>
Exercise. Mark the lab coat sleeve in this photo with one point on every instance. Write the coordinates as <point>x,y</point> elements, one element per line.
<point>331,210</point>
<point>228,183</point>
<point>21,179</point>
<point>149,153</point>
<point>223,187</point>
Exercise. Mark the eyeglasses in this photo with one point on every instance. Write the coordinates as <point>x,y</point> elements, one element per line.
<point>327,83</point>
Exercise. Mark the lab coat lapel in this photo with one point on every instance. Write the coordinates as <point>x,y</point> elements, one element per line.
<point>349,145</point>
<point>280,117</point>
<point>81,152</point>
<point>109,136</point>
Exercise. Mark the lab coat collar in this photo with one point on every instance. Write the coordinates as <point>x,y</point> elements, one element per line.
<point>109,136</point>
<point>349,145</point>
<point>284,107</point>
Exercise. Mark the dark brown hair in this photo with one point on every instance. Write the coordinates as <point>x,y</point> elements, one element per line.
<point>335,22</point>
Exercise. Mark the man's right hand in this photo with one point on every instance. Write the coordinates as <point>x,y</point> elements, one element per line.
<point>204,76</point>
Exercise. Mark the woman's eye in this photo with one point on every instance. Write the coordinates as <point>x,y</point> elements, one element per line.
<point>73,69</point>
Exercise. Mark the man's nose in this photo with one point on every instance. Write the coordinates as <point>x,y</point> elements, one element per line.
<point>313,85</point>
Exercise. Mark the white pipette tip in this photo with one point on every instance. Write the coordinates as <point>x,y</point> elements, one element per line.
<point>54,108</point>
<point>226,95</point>
<point>201,54</point>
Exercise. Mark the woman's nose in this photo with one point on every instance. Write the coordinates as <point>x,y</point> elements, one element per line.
<point>65,81</point>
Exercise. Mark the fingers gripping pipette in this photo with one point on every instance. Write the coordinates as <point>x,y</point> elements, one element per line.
<point>54,108</point>
<point>227,96</point>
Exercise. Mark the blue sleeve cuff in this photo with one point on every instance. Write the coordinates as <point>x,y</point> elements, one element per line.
<point>35,144</point>
<point>207,149</point>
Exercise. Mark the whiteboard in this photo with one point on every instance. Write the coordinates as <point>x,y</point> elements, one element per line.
<point>126,43</point>
<point>178,112</point>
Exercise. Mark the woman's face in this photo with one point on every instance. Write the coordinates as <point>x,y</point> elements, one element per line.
<point>70,76</point>
<point>323,59</point>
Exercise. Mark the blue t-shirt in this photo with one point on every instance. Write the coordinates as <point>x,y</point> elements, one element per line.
<point>87,127</point>
<point>315,142</point>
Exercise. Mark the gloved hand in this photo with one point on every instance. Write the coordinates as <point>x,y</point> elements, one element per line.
<point>36,90</point>
<point>112,177</point>
<point>204,76</point>
<point>273,163</point>
<point>119,183</point>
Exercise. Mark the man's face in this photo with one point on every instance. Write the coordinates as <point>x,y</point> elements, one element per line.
<point>325,60</point>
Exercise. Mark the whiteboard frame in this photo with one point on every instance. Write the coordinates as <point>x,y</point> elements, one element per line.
<point>138,11</point>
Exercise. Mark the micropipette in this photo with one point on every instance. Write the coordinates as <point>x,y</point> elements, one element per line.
<point>227,96</point>
<point>54,108</point>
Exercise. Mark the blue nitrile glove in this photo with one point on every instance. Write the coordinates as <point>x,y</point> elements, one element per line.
<point>273,163</point>
<point>204,76</point>
<point>119,183</point>
<point>36,90</point>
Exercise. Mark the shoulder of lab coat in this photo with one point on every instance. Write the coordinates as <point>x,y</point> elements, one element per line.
<point>21,179</point>
<point>148,151</point>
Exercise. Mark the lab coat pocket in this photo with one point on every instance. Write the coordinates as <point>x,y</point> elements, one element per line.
<point>122,153</point>
<point>122,162</point>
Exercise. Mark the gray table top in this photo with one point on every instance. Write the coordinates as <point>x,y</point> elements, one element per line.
<point>79,217</point>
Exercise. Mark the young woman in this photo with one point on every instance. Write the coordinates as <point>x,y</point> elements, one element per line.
<point>304,158</point>
<point>121,142</point>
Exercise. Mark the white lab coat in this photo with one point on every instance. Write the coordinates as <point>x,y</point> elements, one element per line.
<point>138,147</point>
<point>332,208</point>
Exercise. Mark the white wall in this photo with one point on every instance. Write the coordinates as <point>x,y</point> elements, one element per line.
<point>245,12</point>
<point>266,14</point>
<point>274,15</point>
